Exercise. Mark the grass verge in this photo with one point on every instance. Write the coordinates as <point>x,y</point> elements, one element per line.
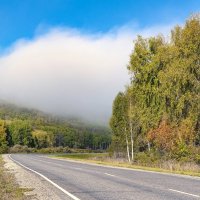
<point>9,189</point>
<point>104,159</point>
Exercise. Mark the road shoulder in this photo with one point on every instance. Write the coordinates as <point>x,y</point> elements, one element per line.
<point>39,188</point>
<point>109,165</point>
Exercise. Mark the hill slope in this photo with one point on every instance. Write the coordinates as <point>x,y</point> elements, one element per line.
<point>37,129</point>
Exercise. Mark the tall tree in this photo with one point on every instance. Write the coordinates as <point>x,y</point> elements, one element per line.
<point>119,121</point>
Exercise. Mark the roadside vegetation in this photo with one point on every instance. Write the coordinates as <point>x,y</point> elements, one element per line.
<point>83,156</point>
<point>51,150</point>
<point>156,121</point>
<point>9,189</point>
<point>143,161</point>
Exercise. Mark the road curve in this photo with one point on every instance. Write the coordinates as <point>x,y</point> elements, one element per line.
<point>79,181</point>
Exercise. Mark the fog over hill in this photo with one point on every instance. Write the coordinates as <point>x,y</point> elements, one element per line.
<point>68,72</point>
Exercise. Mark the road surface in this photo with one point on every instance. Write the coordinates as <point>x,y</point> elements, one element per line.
<point>79,181</point>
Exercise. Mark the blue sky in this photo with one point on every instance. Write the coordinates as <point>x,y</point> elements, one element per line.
<point>22,18</point>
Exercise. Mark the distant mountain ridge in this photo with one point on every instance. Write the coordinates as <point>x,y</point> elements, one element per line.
<point>10,111</point>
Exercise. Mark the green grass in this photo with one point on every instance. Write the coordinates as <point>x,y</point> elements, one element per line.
<point>82,156</point>
<point>103,159</point>
<point>9,189</point>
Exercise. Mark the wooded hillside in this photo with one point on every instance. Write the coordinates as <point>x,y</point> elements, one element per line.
<point>35,129</point>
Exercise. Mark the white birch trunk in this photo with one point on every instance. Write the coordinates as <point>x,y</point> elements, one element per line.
<point>127,147</point>
<point>149,146</point>
<point>132,141</point>
<point>131,129</point>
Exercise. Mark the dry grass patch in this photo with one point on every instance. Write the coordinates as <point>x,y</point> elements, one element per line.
<point>9,189</point>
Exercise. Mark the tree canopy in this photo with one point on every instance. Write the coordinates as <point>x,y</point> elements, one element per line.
<point>164,92</point>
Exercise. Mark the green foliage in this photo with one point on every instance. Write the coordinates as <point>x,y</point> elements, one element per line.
<point>147,158</point>
<point>21,133</point>
<point>118,122</point>
<point>164,93</point>
<point>3,136</point>
<point>181,151</point>
<point>197,158</point>
<point>27,130</point>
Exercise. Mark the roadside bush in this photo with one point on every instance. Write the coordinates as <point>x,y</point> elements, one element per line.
<point>3,149</point>
<point>18,149</point>
<point>25,149</point>
<point>181,151</point>
<point>21,149</point>
<point>197,159</point>
<point>54,150</point>
<point>66,150</point>
<point>147,158</point>
<point>196,155</point>
<point>49,150</point>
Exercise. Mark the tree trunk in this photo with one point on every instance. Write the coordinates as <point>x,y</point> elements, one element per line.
<point>132,141</point>
<point>149,146</point>
<point>131,129</point>
<point>127,147</point>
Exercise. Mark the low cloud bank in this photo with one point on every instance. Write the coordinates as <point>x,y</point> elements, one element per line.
<point>68,72</point>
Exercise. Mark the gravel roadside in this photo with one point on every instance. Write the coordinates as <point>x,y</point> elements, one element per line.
<point>39,188</point>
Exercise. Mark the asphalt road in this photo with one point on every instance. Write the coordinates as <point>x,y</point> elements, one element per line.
<point>89,182</point>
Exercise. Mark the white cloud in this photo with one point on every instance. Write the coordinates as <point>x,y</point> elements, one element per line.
<point>67,72</point>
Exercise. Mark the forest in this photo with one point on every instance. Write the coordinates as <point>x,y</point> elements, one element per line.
<point>158,113</point>
<point>23,129</point>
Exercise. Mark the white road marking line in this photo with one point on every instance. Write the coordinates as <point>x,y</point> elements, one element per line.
<point>44,177</point>
<point>109,174</point>
<point>194,195</point>
<point>77,168</point>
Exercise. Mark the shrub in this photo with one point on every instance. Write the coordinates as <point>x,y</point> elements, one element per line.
<point>3,149</point>
<point>181,151</point>
<point>59,149</point>
<point>197,159</point>
<point>21,149</point>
